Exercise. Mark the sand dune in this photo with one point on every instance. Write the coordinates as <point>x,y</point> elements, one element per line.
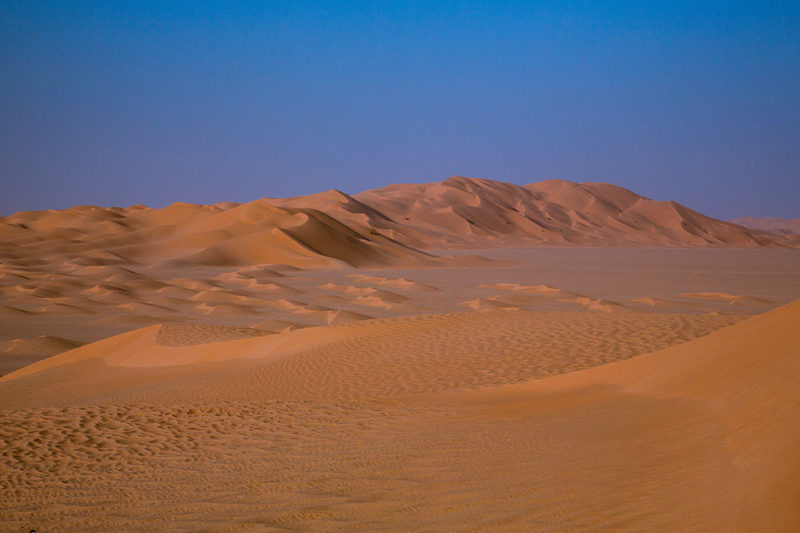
<point>184,234</point>
<point>598,304</point>
<point>336,318</point>
<point>387,357</point>
<point>741,381</point>
<point>299,364</point>
<point>359,215</point>
<point>275,325</point>
<point>665,305</point>
<point>461,211</point>
<point>528,295</point>
<point>541,290</point>
<point>732,299</point>
<point>395,283</point>
<point>353,427</point>
<point>480,304</point>
<point>775,225</point>
<point>378,227</point>
<point>17,353</point>
<point>42,344</point>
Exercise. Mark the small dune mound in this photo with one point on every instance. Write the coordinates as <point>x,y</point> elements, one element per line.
<point>544,291</point>
<point>599,304</point>
<point>296,306</point>
<point>224,297</point>
<point>344,317</point>
<point>275,325</point>
<point>366,291</point>
<point>480,304</point>
<point>43,346</point>
<point>647,300</point>
<point>731,299</point>
<point>258,272</point>
<point>395,283</point>
<point>224,309</point>
<point>370,297</point>
<point>661,305</point>
<point>195,284</point>
<point>144,308</point>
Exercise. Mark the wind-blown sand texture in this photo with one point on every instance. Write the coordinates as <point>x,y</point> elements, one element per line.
<point>401,359</point>
<point>775,225</point>
<point>354,428</point>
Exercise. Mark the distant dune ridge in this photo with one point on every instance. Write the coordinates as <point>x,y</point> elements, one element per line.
<point>464,212</point>
<point>775,225</point>
<point>385,226</point>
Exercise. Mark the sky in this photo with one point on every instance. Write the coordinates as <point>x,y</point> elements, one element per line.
<point>120,103</point>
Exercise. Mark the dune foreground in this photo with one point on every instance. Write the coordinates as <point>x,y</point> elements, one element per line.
<point>411,424</point>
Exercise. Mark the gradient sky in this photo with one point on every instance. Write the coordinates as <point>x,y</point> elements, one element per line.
<point>118,103</point>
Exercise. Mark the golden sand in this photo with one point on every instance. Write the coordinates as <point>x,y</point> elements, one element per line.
<point>353,363</point>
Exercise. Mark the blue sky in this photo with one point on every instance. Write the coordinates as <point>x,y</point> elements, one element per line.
<point>118,103</point>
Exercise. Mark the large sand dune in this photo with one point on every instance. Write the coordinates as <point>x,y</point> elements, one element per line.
<point>235,235</point>
<point>463,210</point>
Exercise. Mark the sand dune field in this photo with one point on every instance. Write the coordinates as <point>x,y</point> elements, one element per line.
<point>459,356</point>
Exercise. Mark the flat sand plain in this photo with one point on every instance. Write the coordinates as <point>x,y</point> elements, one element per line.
<point>542,389</point>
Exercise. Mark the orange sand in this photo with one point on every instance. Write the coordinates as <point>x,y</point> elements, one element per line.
<point>301,364</point>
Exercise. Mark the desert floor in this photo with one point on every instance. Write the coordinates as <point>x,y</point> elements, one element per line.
<point>535,389</point>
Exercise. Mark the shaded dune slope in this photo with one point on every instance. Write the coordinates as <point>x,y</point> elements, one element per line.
<point>462,210</point>
<point>186,234</point>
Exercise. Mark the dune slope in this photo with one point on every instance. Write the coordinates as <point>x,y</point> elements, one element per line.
<point>742,381</point>
<point>462,210</point>
<point>363,360</point>
<point>254,233</point>
<point>367,427</point>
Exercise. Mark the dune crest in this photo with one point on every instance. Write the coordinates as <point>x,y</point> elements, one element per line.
<point>746,375</point>
<point>463,211</point>
<point>787,226</point>
<point>195,235</point>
